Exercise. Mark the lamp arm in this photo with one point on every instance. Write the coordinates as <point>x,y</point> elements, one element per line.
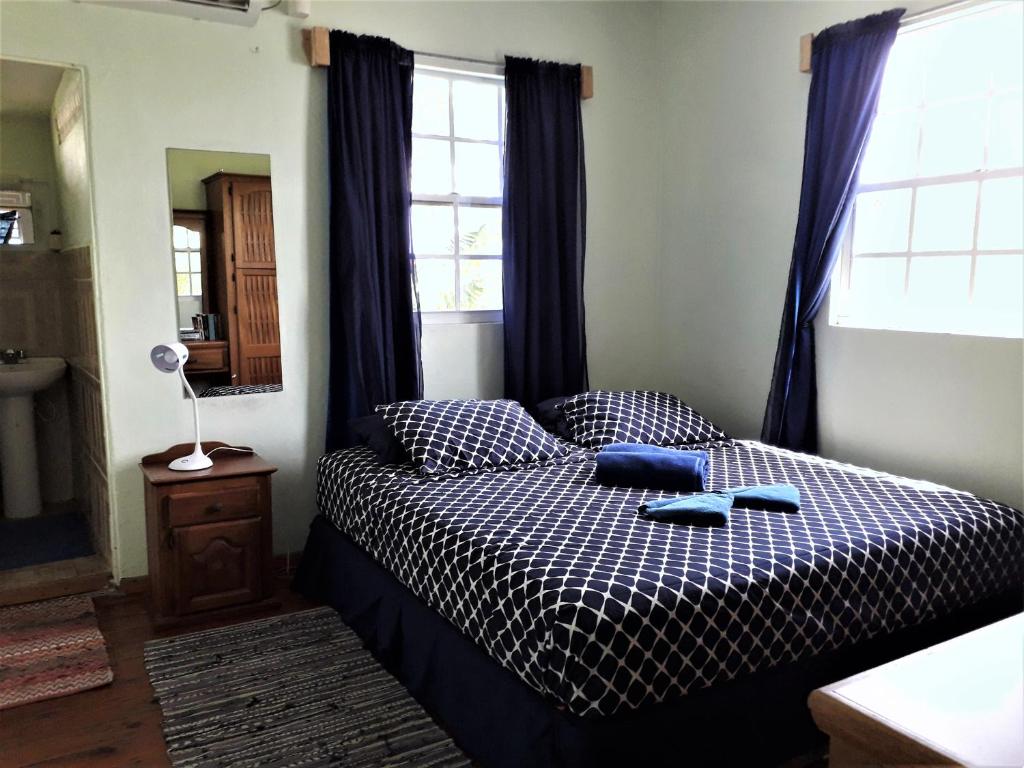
<point>195,409</point>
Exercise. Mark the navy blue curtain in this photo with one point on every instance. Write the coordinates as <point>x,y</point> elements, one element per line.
<point>544,222</point>
<point>847,63</point>
<point>374,328</point>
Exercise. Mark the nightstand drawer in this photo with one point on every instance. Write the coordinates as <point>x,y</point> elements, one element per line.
<point>197,505</point>
<point>207,356</point>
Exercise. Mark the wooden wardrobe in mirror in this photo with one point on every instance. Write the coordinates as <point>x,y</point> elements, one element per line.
<point>243,274</point>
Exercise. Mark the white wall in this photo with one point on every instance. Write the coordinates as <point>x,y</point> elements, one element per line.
<point>945,408</point>
<point>154,82</point>
<point>463,360</point>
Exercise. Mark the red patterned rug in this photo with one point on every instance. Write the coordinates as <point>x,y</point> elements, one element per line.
<point>50,648</point>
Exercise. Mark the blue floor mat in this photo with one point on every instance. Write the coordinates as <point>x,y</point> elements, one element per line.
<point>43,539</point>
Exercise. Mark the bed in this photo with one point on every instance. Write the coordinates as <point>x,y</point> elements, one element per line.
<point>545,622</point>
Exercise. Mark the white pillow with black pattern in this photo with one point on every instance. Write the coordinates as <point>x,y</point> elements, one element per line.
<point>600,418</point>
<point>456,435</point>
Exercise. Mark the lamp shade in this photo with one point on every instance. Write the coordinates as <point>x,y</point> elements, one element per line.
<point>169,357</point>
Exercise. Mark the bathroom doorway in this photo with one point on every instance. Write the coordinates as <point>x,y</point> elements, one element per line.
<point>54,501</point>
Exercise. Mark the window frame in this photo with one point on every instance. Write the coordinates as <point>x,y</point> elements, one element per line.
<point>470,72</point>
<point>192,219</point>
<point>840,294</point>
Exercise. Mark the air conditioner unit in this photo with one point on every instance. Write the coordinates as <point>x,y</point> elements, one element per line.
<point>243,12</point>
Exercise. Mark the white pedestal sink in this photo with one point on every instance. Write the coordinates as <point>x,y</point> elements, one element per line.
<point>18,463</point>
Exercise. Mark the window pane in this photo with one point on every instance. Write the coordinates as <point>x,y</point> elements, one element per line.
<point>892,150</point>
<point>181,261</point>
<point>938,288</point>
<point>944,217</point>
<point>1001,226</point>
<point>195,262</point>
<point>180,236</point>
<point>903,84</point>
<point>882,222</point>
<point>430,105</point>
<point>477,170</point>
<point>197,285</point>
<point>876,286</point>
<point>999,292</point>
<point>1006,46</point>
<point>436,283</point>
<point>433,230</point>
<point>193,239</point>
<point>481,284</point>
<point>958,65</point>
<point>476,110</point>
<point>480,230</point>
<point>183,284</point>
<point>431,167</point>
<point>1006,136</point>
<point>953,138</point>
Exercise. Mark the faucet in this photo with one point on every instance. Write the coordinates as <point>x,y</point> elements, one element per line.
<point>11,356</point>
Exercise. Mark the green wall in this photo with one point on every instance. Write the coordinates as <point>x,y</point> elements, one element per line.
<point>186,169</point>
<point>26,163</point>
<point>71,156</point>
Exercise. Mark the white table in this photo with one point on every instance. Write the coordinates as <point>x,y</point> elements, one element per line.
<point>957,703</point>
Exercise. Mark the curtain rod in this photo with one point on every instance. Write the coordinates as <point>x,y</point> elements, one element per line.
<point>316,41</point>
<point>459,58</point>
<point>806,41</point>
<point>912,18</point>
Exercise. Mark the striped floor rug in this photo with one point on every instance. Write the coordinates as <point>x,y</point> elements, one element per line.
<point>293,690</point>
<point>50,648</point>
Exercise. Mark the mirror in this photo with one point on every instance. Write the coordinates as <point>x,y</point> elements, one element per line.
<point>225,271</point>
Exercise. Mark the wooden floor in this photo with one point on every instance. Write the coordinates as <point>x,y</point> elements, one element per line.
<point>46,580</point>
<point>115,726</point>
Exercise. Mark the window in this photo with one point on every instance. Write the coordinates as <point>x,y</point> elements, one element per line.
<point>189,235</point>
<point>936,237</point>
<point>457,151</point>
<point>20,204</point>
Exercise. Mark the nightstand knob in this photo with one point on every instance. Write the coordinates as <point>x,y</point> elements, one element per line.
<point>213,509</point>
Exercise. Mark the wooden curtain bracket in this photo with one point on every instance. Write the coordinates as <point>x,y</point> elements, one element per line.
<point>586,82</point>
<point>316,42</point>
<point>806,42</point>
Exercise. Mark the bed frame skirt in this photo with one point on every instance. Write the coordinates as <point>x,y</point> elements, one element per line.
<point>500,722</point>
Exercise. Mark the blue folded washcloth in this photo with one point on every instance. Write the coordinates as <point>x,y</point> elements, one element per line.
<point>711,509</point>
<point>771,498</point>
<point>663,469</point>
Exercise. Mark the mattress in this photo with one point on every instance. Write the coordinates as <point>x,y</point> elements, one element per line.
<point>560,581</point>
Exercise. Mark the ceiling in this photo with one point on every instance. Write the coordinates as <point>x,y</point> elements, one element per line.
<point>26,88</point>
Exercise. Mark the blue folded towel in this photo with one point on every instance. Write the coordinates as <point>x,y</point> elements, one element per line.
<point>664,469</point>
<point>711,509</point>
<point>771,498</point>
<point>637,448</point>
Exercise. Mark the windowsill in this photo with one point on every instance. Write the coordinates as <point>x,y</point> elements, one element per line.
<point>860,325</point>
<point>461,318</point>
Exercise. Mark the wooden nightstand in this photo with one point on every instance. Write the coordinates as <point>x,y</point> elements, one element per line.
<point>209,535</point>
<point>956,703</point>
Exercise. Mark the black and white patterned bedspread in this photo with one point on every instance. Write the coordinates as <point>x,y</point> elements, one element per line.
<point>560,581</point>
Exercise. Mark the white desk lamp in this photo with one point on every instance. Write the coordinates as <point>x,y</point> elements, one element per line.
<point>170,358</point>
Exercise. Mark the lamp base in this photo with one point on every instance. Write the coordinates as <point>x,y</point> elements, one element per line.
<point>196,460</point>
